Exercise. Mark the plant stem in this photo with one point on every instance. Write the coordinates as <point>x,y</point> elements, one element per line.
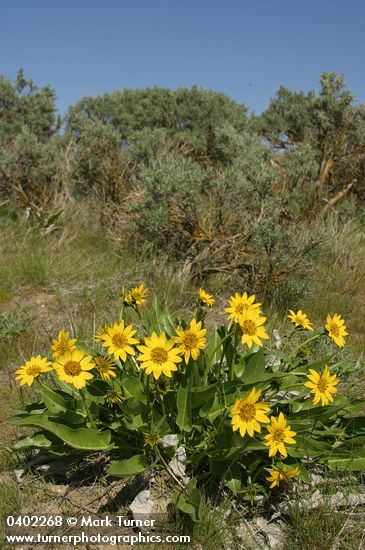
<point>311,339</point>
<point>87,409</point>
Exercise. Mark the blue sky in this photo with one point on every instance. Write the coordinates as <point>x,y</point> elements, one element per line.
<point>245,48</point>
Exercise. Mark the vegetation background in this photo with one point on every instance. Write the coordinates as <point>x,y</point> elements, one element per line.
<point>176,189</point>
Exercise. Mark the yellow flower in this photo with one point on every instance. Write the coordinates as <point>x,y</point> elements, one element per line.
<point>73,367</point>
<point>152,439</point>
<point>136,296</point>
<point>247,413</point>
<point>279,433</point>
<point>105,367</point>
<point>113,396</point>
<point>206,299</point>
<point>31,369</point>
<point>119,339</point>
<point>62,344</point>
<point>239,304</point>
<point>281,474</point>
<point>126,296</point>
<point>300,319</point>
<point>101,330</point>
<point>251,323</point>
<point>159,356</point>
<point>336,329</point>
<point>191,340</point>
<point>322,385</point>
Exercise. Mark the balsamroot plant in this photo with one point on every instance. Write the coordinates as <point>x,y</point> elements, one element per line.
<point>245,412</point>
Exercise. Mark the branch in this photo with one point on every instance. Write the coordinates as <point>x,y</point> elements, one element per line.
<point>338,197</point>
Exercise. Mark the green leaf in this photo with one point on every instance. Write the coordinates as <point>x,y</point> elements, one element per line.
<point>128,467</point>
<point>213,350</point>
<point>132,388</point>
<point>189,500</point>
<point>235,485</point>
<point>40,440</point>
<point>164,322</point>
<point>84,439</point>
<point>202,394</point>
<point>55,401</point>
<point>183,401</point>
<point>352,461</point>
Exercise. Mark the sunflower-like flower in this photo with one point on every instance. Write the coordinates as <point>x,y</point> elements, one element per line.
<point>279,433</point>
<point>300,319</point>
<point>138,294</point>
<point>281,474</point>
<point>100,331</point>
<point>159,356</point>
<point>206,299</point>
<point>62,344</point>
<point>105,366</point>
<point>119,340</point>
<point>126,296</point>
<point>151,438</point>
<point>247,413</point>
<point>250,323</point>
<point>239,304</point>
<point>134,297</point>
<point>73,367</point>
<point>191,340</point>
<point>322,385</point>
<point>336,329</point>
<point>113,396</point>
<point>28,372</point>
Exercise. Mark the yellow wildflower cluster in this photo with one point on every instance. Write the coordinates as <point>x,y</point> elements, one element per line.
<point>247,314</point>
<point>161,354</point>
<point>134,297</point>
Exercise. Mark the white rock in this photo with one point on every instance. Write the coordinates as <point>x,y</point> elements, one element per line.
<point>177,465</point>
<point>170,440</point>
<point>18,475</point>
<point>274,532</point>
<point>141,507</point>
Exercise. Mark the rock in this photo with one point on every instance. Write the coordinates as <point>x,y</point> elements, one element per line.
<point>141,507</point>
<point>170,440</point>
<point>250,536</point>
<point>177,465</point>
<point>277,337</point>
<point>18,475</point>
<point>58,490</point>
<point>275,533</point>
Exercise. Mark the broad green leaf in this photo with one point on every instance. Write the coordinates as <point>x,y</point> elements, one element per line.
<point>183,400</point>
<point>164,322</point>
<point>352,461</point>
<point>235,485</point>
<point>40,440</point>
<point>201,395</point>
<point>55,401</point>
<point>84,439</point>
<point>132,388</point>
<point>128,467</point>
<point>189,500</point>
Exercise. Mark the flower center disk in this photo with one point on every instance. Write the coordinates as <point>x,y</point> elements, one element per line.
<point>335,329</point>
<point>72,368</point>
<point>119,340</point>
<point>33,370</point>
<point>247,412</point>
<point>249,327</point>
<point>279,435</point>
<point>159,355</point>
<point>190,340</point>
